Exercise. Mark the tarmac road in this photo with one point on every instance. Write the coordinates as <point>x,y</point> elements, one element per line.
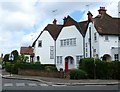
<point>14,84</point>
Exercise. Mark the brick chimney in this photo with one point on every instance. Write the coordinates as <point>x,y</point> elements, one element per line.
<point>65,18</point>
<point>54,21</point>
<point>102,10</point>
<point>90,19</point>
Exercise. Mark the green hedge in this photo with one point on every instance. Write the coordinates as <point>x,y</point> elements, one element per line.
<point>78,74</point>
<point>20,65</point>
<point>103,70</point>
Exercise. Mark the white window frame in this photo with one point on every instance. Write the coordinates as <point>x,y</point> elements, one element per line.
<point>51,52</point>
<point>39,43</point>
<point>59,59</point>
<point>106,38</point>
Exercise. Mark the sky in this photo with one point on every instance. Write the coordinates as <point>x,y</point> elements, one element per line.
<point>21,21</point>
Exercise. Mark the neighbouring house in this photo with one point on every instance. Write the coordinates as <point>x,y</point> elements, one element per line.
<point>103,36</point>
<point>45,44</point>
<point>69,44</point>
<point>28,52</point>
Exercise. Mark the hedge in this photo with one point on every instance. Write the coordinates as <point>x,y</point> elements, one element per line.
<point>37,66</point>
<point>101,69</point>
<point>78,74</point>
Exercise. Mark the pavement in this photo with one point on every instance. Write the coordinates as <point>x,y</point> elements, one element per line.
<point>60,81</point>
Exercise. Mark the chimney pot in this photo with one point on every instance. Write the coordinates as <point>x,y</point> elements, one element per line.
<point>102,10</point>
<point>54,21</point>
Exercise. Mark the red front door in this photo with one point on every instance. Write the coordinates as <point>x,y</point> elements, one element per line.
<point>66,65</point>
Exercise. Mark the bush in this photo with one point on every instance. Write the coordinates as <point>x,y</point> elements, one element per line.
<point>78,74</point>
<point>87,65</point>
<point>101,69</point>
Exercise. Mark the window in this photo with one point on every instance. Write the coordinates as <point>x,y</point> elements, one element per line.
<point>95,36</point>
<point>40,43</point>
<point>68,42</point>
<point>106,38</point>
<point>78,59</point>
<point>119,38</point>
<point>51,52</point>
<point>61,42</point>
<point>59,59</point>
<point>38,58</point>
<point>116,57</point>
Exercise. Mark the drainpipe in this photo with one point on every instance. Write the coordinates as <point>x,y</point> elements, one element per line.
<point>90,42</point>
<point>84,47</point>
<point>55,52</point>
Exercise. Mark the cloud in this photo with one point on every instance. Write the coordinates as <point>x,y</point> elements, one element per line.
<point>21,21</point>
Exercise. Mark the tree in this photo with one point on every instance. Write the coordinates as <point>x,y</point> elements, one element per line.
<point>16,55</point>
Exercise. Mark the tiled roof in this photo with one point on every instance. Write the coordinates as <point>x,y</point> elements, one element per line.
<point>54,30</point>
<point>106,25</point>
<point>26,50</point>
<point>83,27</point>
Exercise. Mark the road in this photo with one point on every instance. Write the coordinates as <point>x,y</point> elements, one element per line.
<point>14,84</point>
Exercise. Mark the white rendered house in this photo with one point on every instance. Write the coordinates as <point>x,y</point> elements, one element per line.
<point>102,36</point>
<point>44,45</point>
<point>69,45</point>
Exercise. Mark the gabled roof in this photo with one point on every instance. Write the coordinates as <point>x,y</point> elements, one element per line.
<point>106,25</point>
<point>54,30</point>
<point>81,26</point>
<point>26,50</point>
<point>69,21</point>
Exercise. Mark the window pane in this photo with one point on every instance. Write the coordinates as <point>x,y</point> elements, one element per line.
<point>39,43</point>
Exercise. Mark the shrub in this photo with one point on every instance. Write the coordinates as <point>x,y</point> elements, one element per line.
<point>101,69</point>
<point>78,74</point>
<point>87,65</point>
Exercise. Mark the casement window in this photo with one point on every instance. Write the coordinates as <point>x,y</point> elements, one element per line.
<point>78,59</point>
<point>119,38</point>
<point>106,38</point>
<point>51,52</point>
<point>40,43</point>
<point>68,42</point>
<point>59,59</point>
<point>116,57</point>
<point>95,36</point>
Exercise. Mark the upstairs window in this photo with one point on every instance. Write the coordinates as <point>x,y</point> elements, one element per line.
<point>40,43</point>
<point>95,36</point>
<point>106,38</point>
<point>119,38</point>
<point>68,42</point>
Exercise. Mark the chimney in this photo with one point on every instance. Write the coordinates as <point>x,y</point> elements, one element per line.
<point>65,19</point>
<point>102,10</point>
<point>90,16</point>
<point>54,21</point>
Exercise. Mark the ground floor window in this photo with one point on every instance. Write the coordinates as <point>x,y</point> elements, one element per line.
<point>78,59</point>
<point>116,57</point>
<point>59,59</point>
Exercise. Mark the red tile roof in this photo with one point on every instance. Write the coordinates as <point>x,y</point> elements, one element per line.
<point>26,50</point>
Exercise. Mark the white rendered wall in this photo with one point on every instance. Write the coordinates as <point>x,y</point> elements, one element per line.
<point>73,51</point>
<point>105,46</point>
<point>44,51</point>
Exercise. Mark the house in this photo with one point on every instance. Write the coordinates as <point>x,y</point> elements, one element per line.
<point>28,52</point>
<point>69,44</point>
<point>45,44</point>
<point>102,36</point>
